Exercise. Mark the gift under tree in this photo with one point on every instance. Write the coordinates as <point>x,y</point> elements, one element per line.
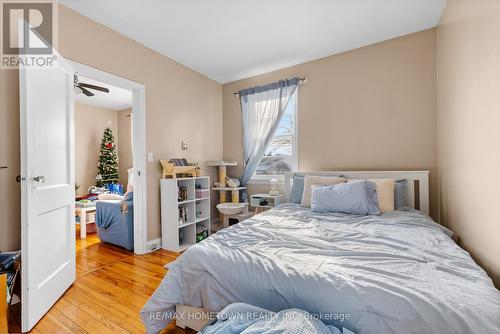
<point>107,167</point>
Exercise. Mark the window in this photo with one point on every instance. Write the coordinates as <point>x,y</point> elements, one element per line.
<point>281,153</point>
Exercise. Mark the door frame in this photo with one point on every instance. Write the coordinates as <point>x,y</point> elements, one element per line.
<point>138,146</point>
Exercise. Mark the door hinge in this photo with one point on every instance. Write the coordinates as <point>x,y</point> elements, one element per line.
<point>139,173</point>
<point>19,178</point>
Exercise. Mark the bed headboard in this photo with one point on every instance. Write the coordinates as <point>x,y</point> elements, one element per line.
<point>417,195</point>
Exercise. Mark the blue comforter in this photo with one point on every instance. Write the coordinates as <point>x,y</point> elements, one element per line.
<point>399,272</point>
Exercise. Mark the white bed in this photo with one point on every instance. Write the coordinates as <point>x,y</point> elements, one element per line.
<point>393,273</point>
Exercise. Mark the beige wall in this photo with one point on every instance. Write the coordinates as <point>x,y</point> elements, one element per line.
<point>125,144</point>
<point>90,123</point>
<point>371,108</point>
<point>10,192</point>
<point>181,104</point>
<point>468,126</point>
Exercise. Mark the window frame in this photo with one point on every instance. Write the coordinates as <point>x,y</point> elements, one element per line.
<point>265,179</point>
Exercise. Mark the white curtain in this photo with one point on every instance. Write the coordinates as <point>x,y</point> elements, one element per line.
<point>262,108</point>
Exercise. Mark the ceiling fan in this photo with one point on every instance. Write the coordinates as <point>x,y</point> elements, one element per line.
<point>81,87</point>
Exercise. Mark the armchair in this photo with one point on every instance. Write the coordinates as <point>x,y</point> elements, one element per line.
<point>115,221</point>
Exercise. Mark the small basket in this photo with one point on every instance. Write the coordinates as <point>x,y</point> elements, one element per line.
<point>202,193</point>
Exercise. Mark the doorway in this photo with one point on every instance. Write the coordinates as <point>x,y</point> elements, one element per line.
<point>136,113</point>
<point>103,164</point>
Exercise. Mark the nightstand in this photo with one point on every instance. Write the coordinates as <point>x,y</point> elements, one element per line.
<point>262,202</point>
<point>236,218</point>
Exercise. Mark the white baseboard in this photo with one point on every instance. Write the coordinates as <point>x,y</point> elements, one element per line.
<point>153,245</point>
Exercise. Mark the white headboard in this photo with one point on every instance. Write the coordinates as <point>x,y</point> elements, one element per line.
<point>420,178</point>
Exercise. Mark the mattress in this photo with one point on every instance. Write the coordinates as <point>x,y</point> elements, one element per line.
<point>398,272</point>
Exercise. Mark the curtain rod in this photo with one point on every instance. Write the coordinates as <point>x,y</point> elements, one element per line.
<point>301,81</point>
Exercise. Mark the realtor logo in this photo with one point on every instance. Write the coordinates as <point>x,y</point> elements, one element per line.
<point>28,34</point>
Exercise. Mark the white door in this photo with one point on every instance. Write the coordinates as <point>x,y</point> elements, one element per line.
<point>47,190</point>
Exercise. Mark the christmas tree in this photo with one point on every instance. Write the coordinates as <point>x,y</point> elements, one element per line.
<point>107,167</point>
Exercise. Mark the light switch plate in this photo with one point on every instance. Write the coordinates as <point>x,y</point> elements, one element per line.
<point>150,156</point>
<point>184,145</point>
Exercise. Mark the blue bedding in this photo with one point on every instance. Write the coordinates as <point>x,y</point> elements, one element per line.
<point>248,319</point>
<point>398,272</point>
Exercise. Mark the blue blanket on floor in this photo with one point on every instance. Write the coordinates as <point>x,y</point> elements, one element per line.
<point>250,320</point>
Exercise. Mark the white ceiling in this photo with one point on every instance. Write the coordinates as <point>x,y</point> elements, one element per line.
<point>117,98</point>
<point>228,40</point>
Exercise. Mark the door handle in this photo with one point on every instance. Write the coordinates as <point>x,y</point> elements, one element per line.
<point>41,179</point>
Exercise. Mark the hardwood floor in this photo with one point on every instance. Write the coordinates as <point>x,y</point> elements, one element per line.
<point>112,286</point>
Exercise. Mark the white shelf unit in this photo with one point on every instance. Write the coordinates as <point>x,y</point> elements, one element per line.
<point>177,235</point>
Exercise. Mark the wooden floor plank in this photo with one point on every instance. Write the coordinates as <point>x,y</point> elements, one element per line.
<point>89,320</point>
<point>56,322</point>
<point>111,288</point>
<point>116,306</point>
<point>126,321</point>
<point>137,273</point>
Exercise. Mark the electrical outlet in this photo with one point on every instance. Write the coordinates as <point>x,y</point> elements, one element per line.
<point>150,156</point>
<point>184,145</point>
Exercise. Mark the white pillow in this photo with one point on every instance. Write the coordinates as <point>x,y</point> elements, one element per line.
<point>311,180</point>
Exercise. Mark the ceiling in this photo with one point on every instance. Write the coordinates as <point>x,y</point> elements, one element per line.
<point>117,98</point>
<point>227,40</point>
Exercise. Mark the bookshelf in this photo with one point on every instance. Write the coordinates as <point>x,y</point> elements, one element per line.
<point>185,206</point>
